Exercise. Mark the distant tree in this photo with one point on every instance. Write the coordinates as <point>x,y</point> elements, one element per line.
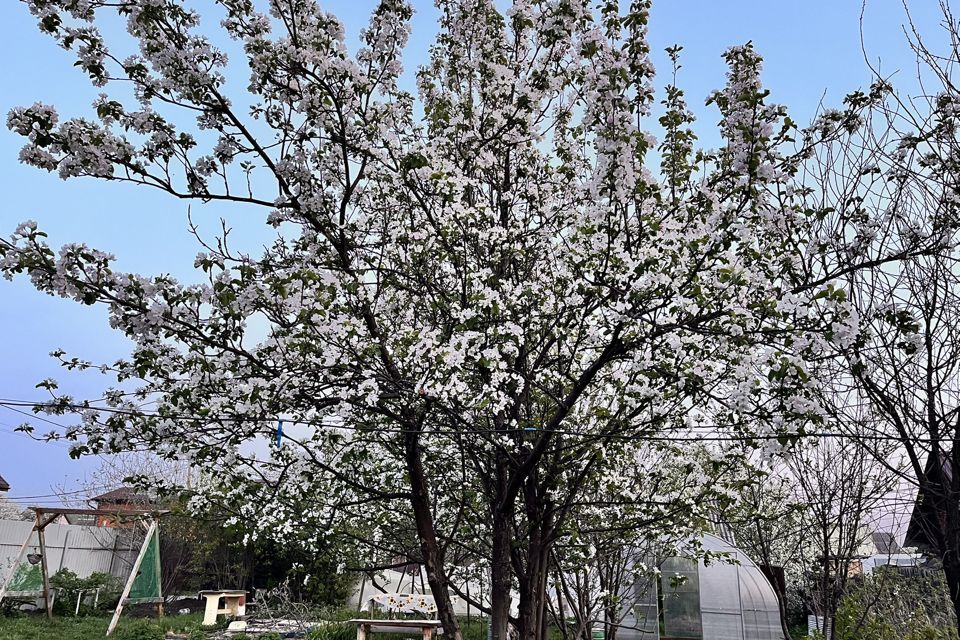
<point>841,493</point>
<point>812,513</point>
<point>903,376</point>
<point>9,509</point>
<point>476,296</point>
<point>199,549</point>
<point>900,381</point>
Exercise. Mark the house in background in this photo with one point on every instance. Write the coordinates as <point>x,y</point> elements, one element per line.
<point>4,485</point>
<point>121,501</point>
<point>886,552</point>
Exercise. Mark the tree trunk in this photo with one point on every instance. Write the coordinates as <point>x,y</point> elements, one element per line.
<point>609,573</point>
<point>500,572</point>
<point>561,614</point>
<point>949,542</point>
<point>429,546</point>
<point>535,562</point>
<point>533,592</point>
<point>939,491</point>
<point>782,606</point>
<point>950,491</point>
<point>779,590</point>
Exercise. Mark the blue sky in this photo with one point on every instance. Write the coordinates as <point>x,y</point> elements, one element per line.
<point>812,50</point>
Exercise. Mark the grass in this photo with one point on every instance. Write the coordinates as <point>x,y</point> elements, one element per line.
<point>37,627</point>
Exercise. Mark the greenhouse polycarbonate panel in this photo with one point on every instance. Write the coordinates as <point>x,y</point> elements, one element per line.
<point>720,601</point>
<point>641,620</point>
<point>761,614</point>
<point>681,599</point>
<point>719,588</point>
<point>722,626</point>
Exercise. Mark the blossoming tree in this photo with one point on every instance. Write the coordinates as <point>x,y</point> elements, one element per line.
<point>483,299</point>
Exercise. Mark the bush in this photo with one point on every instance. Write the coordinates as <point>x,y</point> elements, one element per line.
<point>140,630</point>
<point>332,631</point>
<point>70,586</point>
<point>476,629</point>
<point>891,606</point>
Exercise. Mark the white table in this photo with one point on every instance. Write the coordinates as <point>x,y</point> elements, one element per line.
<point>235,605</point>
<point>367,626</point>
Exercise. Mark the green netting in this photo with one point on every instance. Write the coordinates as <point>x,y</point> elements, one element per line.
<point>27,579</point>
<point>146,586</point>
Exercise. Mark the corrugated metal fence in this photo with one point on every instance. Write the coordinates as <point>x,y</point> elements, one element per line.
<point>82,549</point>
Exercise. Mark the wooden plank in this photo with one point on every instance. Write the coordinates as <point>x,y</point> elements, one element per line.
<point>403,622</point>
<point>146,601</point>
<point>132,577</point>
<point>48,603</point>
<point>57,511</point>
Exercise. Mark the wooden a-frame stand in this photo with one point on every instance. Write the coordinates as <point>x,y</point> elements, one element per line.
<point>46,515</point>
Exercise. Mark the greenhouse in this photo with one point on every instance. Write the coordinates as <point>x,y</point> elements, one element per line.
<point>722,601</point>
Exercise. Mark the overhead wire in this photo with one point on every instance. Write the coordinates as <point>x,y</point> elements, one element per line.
<point>13,405</point>
<point>60,493</point>
<point>14,432</point>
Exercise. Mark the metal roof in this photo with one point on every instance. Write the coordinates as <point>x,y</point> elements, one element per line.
<point>127,495</point>
<point>885,542</point>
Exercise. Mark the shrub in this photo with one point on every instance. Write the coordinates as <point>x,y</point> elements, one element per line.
<point>140,630</point>
<point>332,631</point>
<point>70,586</point>
<point>888,605</point>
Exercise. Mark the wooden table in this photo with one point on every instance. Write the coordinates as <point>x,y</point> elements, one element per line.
<point>235,604</point>
<point>366,626</point>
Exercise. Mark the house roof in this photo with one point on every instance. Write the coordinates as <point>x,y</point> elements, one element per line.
<point>4,485</point>
<point>885,542</point>
<point>123,495</point>
<point>928,511</point>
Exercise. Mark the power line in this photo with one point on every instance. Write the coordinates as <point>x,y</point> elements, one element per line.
<point>14,432</point>
<point>59,493</point>
<point>12,404</point>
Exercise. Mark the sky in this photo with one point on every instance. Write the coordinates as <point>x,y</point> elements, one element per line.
<point>812,51</point>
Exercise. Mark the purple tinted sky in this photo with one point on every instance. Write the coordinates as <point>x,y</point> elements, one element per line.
<point>812,48</point>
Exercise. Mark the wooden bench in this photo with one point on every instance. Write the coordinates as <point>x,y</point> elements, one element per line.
<point>367,626</point>
<point>235,605</point>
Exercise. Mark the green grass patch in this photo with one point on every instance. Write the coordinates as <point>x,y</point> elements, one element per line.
<point>37,627</point>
